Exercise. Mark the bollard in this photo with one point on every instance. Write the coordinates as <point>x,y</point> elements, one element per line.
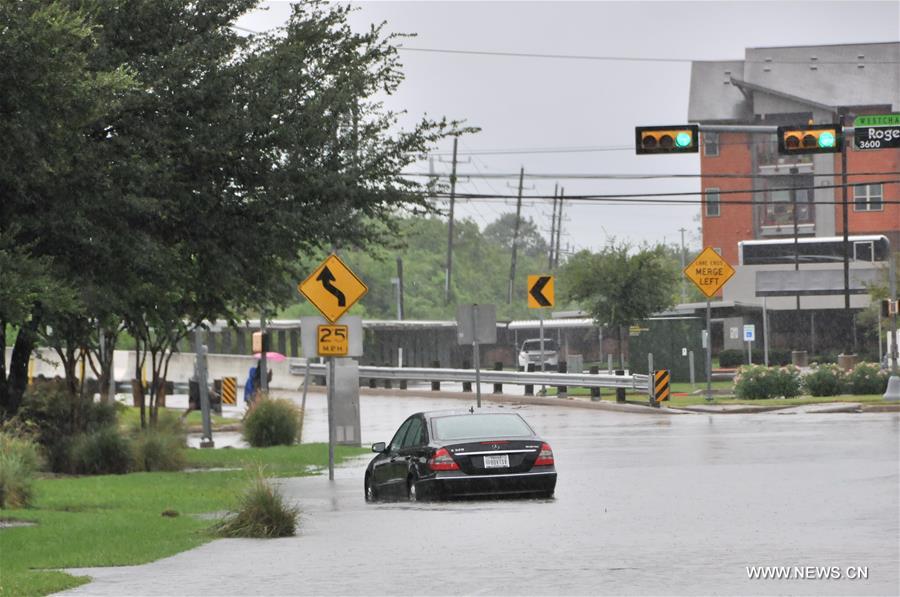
<point>498,387</point>
<point>562,391</point>
<point>373,383</point>
<point>620,392</point>
<point>435,385</point>
<point>529,388</point>
<point>402,383</point>
<point>467,385</point>
<point>387,382</point>
<point>595,392</point>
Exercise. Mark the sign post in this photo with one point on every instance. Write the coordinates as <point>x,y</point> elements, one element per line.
<point>540,295</point>
<point>709,272</point>
<point>749,337</point>
<point>332,288</point>
<point>475,325</point>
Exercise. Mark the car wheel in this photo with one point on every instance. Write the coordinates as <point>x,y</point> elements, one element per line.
<point>411,492</point>
<point>370,489</point>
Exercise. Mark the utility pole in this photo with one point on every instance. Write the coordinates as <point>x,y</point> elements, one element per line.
<point>552,229</point>
<point>683,266</point>
<point>512,266</point>
<point>846,226</point>
<point>450,231</point>
<point>562,193</point>
<point>794,171</point>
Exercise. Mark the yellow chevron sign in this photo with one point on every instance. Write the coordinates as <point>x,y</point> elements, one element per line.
<point>229,390</point>
<point>661,385</point>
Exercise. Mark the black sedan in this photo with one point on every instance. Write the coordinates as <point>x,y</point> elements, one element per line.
<point>446,454</point>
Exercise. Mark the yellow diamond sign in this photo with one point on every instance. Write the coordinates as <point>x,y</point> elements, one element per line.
<point>709,272</point>
<point>333,288</point>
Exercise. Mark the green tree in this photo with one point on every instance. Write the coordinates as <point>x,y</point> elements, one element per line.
<point>619,287</point>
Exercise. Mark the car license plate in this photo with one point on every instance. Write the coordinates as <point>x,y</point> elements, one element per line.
<point>496,461</point>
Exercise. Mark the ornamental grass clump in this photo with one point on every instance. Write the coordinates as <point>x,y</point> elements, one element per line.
<point>867,378</point>
<point>757,382</point>
<point>106,451</point>
<point>20,459</point>
<point>261,514</point>
<point>271,422</point>
<point>825,380</point>
<point>160,448</point>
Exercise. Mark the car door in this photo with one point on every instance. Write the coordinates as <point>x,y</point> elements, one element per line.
<point>382,471</point>
<point>412,448</point>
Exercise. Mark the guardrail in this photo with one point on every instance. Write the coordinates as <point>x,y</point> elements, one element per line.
<point>427,374</point>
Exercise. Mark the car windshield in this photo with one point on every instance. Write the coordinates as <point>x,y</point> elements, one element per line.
<point>482,425</point>
<point>531,345</point>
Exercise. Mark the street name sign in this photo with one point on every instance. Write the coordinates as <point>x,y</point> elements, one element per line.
<point>877,131</point>
<point>333,288</point>
<point>540,292</point>
<point>709,272</point>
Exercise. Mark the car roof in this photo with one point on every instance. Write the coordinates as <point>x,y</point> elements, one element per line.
<point>431,414</point>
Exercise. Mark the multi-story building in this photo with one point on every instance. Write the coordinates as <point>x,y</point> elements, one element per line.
<point>797,85</point>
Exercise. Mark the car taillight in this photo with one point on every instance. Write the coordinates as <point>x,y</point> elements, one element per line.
<point>545,458</point>
<point>442,461</point>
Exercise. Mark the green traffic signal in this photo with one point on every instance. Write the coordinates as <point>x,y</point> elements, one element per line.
<point>683,139</point>
<point>826,139</point>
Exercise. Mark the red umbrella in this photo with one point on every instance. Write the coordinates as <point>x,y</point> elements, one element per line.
<point>275,357</point>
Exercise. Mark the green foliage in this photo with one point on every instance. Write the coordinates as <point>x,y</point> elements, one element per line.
<point>756,382</point>
<point>54,417</point>
<point>735,358</point>
<point>271,422</point>
<point>261,513</point>
<point>867,378</point>
<point>619,287</point>
<point>158,450</point>
<point>106,451</point>
<point>825,380</point>
<point>20,459</point>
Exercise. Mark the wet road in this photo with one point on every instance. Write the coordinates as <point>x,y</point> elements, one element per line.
<point>645,504</point>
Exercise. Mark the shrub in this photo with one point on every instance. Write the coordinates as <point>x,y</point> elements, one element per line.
<point>736,358</point>
<point>158,450</point>
<point>825,380</point>
<point>261,513</point>
<point>54,417</point>
<point>271,422</point>
<point>867,378</point>
<point>20,459</point>
<point>732,358</point>
<point>756,382</point>
<point>102,452</point>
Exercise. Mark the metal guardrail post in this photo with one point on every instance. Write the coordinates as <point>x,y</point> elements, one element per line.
<point>620,392</point>
<point>529,388</point>
<point>562,391</point>
<point>467,385</point>
<point>435,385</point>
<point>498,387</point>
<point>387,382</point>
<point>595,392</point>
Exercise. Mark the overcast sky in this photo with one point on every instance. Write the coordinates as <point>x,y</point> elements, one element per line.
<point>526,103</point>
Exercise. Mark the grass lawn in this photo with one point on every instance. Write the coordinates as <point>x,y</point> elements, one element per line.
<point>131,415</point>
<point>115,520</point>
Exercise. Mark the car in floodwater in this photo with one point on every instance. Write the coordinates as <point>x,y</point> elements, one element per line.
<point>450,454</point>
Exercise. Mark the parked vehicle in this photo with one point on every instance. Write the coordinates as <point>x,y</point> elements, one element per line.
<point>445,454</point>
<point>531,353</point>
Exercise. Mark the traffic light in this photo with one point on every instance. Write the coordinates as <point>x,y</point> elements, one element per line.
<point>812,138</point>
<point>676,138</point>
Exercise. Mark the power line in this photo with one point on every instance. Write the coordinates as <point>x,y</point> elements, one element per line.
<point>639,176</point>
<point>645,196</point>
<point>627,58</point>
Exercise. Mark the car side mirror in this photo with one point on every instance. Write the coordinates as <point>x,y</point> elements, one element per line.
<point>379,447</point>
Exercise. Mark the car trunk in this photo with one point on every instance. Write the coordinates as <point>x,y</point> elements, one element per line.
<point>492,457</point>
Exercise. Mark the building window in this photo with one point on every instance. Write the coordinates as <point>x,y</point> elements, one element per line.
<point>710,144</point>
<point>712,202</point>
<point>867,197</point>
<point>779,210</point>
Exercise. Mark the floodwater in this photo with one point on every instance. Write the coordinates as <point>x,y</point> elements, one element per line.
<point>645,504</point>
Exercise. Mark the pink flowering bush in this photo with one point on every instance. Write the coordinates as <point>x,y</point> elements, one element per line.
<point>757,382</point>
<point>825,380</point>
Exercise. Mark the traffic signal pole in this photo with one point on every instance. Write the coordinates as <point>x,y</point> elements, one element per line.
<point>845,223</point>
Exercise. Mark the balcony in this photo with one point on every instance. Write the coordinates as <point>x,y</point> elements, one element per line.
<point>770,162</point>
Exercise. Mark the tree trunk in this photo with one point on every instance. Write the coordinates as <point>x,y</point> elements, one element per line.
<point>621,347</point>
<point>4,389</point>
<point>18,367</point>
